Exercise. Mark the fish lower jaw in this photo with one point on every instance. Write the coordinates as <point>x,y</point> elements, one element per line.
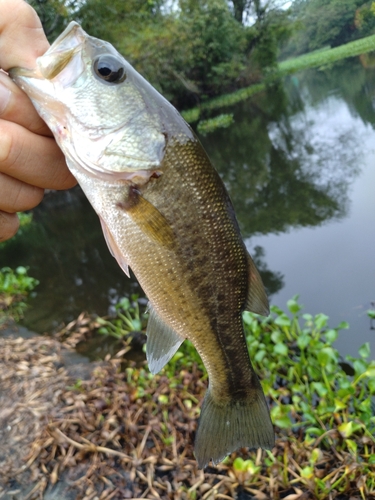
<point>136,178</point>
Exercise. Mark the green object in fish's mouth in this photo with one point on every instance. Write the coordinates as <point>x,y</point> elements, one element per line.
<point>165,213</point>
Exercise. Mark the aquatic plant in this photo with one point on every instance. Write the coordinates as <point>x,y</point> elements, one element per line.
<point>321,404</point>
<point>128,318</point>
<point>15,287</point>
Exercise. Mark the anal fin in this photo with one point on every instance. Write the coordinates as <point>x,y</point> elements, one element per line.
<point>162,342</point>
<point>257,300</point>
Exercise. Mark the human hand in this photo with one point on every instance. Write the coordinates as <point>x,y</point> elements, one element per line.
<point>30,160</point>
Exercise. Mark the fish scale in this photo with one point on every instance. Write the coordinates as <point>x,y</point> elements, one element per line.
<point>165,213</point>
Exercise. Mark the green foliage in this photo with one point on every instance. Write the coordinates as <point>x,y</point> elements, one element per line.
<point>364,20</point>
<point>196,51</point>
<point>300,370</point>
<point>316,406</point>
<point>54,15</point>
<point>15,287</point>
<point>303,373</point>
<point>333,22</point>
<point>328,56</point>
<point>319,58</point>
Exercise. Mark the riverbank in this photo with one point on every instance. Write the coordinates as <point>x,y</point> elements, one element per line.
<point>112,431</point>
<point>316,59</point>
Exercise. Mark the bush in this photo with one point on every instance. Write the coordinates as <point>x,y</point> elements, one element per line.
<point>15,287</point>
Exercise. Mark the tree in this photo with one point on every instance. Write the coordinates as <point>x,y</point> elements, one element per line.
<point>196,50</point>
<point>54,15</point>
<point>329,22</point>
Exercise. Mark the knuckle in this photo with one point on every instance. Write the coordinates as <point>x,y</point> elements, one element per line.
<point>6,142</point>
<point>9,225</point>
<point>27,198</point>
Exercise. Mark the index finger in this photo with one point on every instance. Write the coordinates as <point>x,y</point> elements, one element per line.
<point>22,38</point>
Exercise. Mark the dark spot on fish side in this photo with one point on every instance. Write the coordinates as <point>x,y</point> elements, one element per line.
<point>213,324</point>
<point>156,175</point>
<point>132,200</point>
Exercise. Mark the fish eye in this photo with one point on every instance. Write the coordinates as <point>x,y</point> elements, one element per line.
<point>109,69</point>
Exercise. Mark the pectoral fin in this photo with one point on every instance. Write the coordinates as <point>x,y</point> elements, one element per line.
<point>162,342</point>
<point>148,218</point>
<point>257,300</point>
<point>114,249</point>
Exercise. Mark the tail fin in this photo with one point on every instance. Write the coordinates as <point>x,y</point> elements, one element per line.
<point>223,428</point>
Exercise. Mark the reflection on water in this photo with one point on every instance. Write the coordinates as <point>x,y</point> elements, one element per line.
<point>294,162</point>
<point>302,181</point>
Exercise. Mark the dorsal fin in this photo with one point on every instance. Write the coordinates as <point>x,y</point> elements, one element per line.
<point>162,342</point>
<point>257,301</point>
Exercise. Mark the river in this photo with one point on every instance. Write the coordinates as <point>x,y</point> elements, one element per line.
<point>299,163</point>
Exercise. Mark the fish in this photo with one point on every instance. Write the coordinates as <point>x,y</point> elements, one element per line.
<point>166,214</point>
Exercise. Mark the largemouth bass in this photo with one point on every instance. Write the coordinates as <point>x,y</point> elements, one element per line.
<point>165,213</point>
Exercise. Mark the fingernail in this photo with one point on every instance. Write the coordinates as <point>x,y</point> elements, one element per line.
<point>5,94</point>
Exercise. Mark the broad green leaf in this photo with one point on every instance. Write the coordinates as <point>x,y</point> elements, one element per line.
<point>259,356</point>
<point>307,472</point>
<point>360,366</point>
<point>276,336</point>
<point>344,325</point>
<point>346,429</point>
<point>303,341</point>
<point>283,320</point>
<point>307,317</point>
<point>293,306</point>
<point>281,349</point>
<point>339,405</point>
<point>320,388</point>
<point>283,422</point>
<point>320,320</point>
<point>163,399</point>
<point>365,351</point>
<point>316,455</point>
<point>331,335</point>
<point>239,464</point>
<point>326,355</point>
<point>315,431</point>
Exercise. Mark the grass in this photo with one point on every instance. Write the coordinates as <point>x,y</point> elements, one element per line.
<point>312,60</point>
<point>328,56</point>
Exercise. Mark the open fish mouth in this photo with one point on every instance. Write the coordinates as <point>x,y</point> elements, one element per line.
<point>62,53</point>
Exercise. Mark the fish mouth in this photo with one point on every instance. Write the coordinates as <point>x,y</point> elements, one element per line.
<point>57,57</point>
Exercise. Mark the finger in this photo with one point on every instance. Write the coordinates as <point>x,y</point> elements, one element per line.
<point>22,38</point>
<point>9,224</point>
<point>32,158</point>
<point>17,196</point>
<point>16,107</point>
